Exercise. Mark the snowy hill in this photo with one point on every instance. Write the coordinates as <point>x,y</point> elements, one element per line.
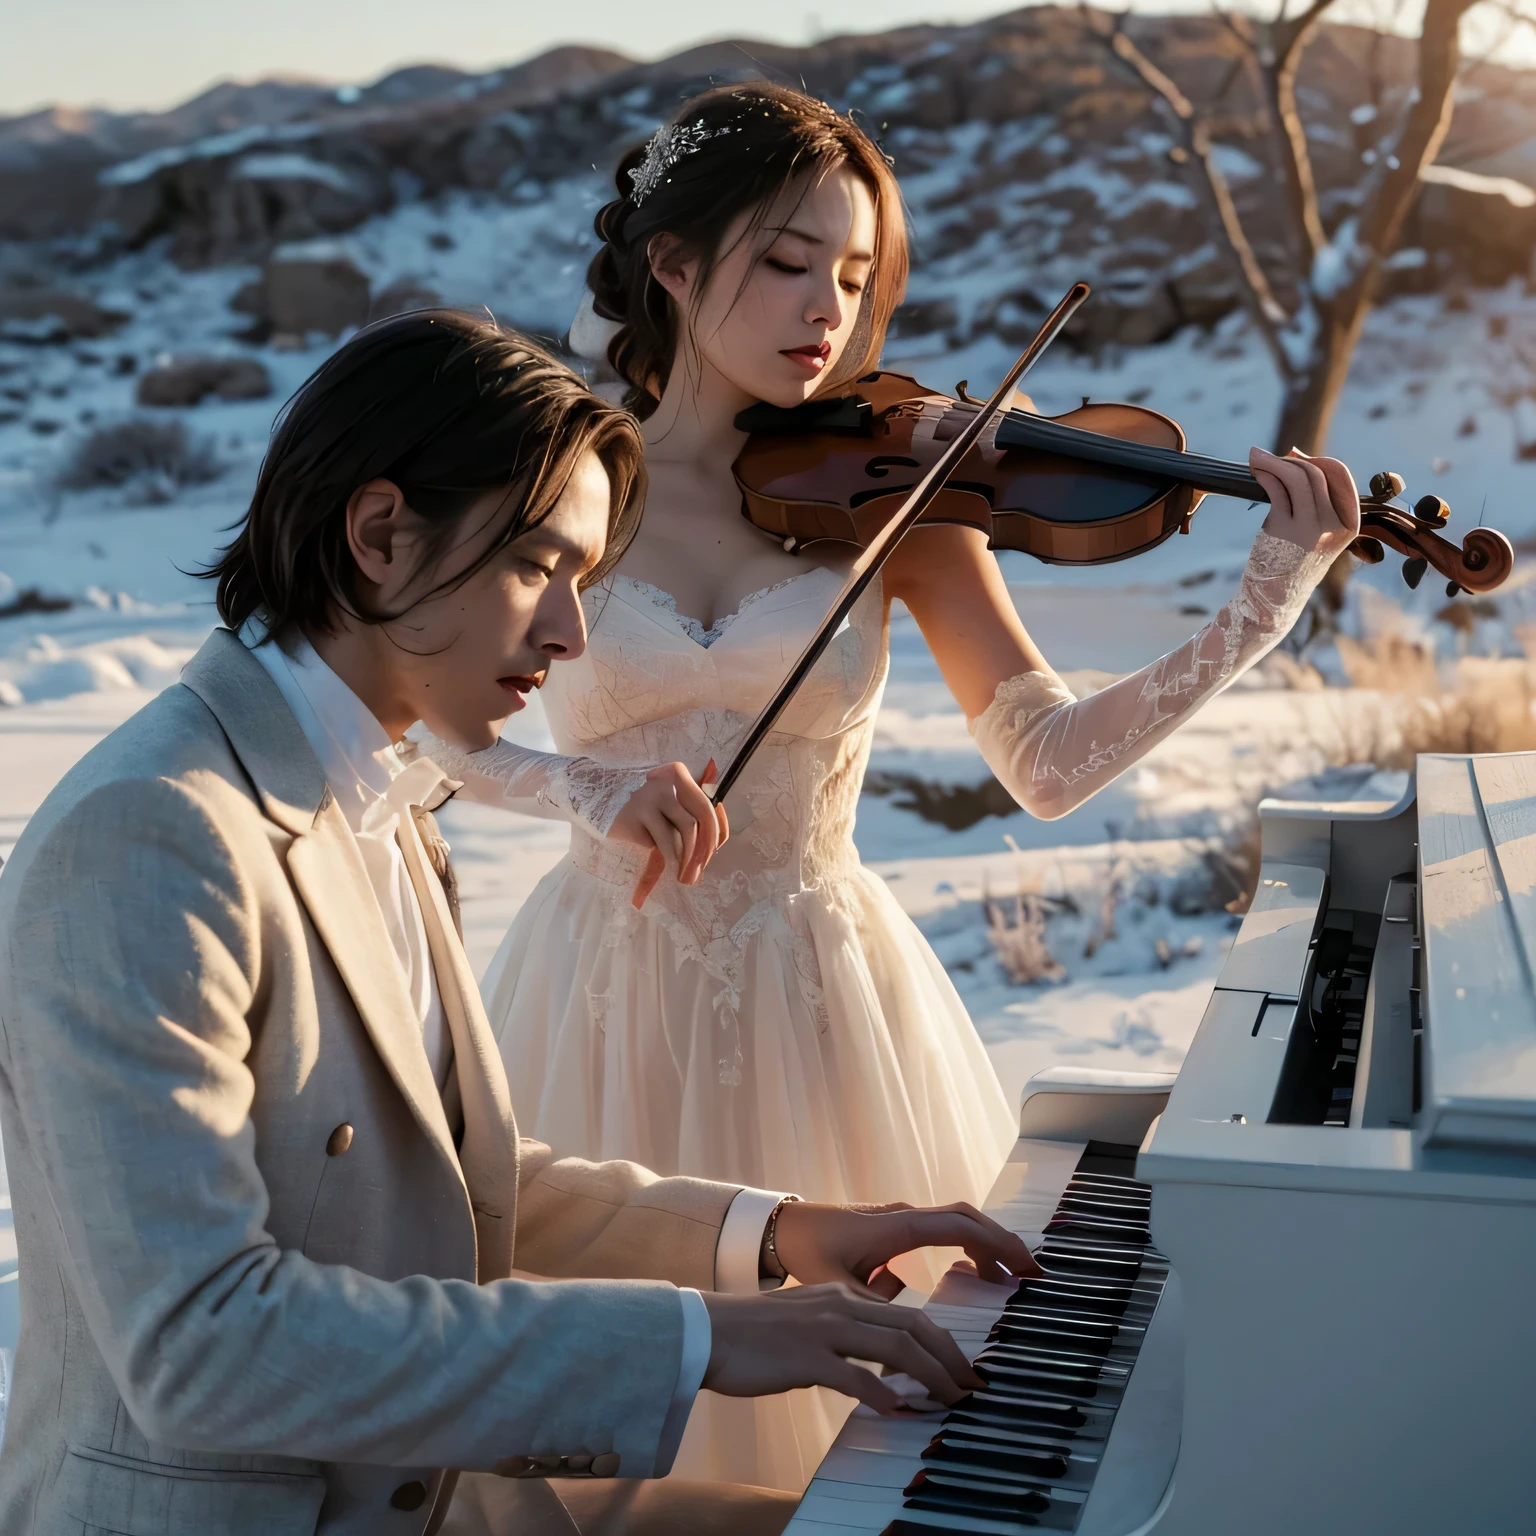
<point>1026,161</point>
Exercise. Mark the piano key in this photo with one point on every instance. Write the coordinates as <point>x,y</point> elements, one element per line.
<point>1058,1383</point>
<point>1061,1389</point>
<point>1034,1441</point>
<point>1097,1367</point>
<point>1056,1509</point>
<point>1056,1351</point>
<point>1049,1466</point>
<point>916,1523</point>
<point>1095,1226</point>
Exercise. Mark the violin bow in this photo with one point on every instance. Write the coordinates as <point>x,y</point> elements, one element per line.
<point>878,551</point>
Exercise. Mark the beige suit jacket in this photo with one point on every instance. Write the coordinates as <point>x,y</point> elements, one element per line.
<point>260,1263</point>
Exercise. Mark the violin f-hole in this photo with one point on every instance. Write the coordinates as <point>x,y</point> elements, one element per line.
<point>882,464</point>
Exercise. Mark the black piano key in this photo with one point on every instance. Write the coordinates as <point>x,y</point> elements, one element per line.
<point>1055,1304</point>
<point>1033,1442</point>
<point>1083,1266</point>
<point>928,1528</point>
<point>1069,1383</point>
<point>1095,1205</point>
<point>1019,1463</point>
<point>983,1417</point>
<point>1042,1338</point>
<point>1028,1410</point>
<point>1138,1255</point>
<point>926,1491</point>
<point>1143,1293</point>
<point>1101,1396</point>
<point>1132,1237</point>
<point>1067,1362</point>
<point>1109,1376</point>
<point>1038,1442</point>
<point>923,1528</point>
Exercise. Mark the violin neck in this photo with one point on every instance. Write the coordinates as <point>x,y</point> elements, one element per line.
<point>1021,430</point>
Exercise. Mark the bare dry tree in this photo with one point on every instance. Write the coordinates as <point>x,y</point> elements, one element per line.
<point>1332,275</point>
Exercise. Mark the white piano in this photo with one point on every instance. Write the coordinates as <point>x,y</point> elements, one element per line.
<point>1292,1290</point>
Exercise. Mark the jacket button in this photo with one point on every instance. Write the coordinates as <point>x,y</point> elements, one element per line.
<point>606,1465</point>
<point>408,1495</point>
<point>337,1143</point>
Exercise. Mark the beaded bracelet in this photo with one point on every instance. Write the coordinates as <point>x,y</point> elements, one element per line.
<point>770,1252</point>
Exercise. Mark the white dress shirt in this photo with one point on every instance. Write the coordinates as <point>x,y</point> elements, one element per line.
<point>360,765</point>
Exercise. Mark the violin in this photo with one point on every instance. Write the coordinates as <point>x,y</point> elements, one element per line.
<point>1098,484</point>
<point>1101,483</point>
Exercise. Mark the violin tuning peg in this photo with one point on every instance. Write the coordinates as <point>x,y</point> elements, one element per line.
<point>1453,589</point>
<point>1387,484</point>
<point>1413,571</point>
<point>1430,509</point>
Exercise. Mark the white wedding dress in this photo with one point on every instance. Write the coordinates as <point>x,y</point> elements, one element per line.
<point>782,1024</point>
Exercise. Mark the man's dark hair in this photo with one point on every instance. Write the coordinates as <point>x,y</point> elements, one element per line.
<point>449,407</point>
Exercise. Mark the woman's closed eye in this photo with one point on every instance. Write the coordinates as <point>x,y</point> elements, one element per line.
<point>780,265</point>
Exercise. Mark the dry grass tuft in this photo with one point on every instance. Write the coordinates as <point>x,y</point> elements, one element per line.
<point>1477,704</point>
<point>151,459</point>
<point>1018,936</point>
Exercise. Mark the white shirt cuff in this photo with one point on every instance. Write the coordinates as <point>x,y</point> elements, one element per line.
<point>697,1340</point>
<point>738,1255</point>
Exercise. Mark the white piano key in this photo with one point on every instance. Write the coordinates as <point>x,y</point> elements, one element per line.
<point>803,1525</point>
<point>1030,1186</point>
<point>869,1469</point>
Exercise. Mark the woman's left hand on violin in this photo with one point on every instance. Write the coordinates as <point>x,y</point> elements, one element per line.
<point>1313,502</point>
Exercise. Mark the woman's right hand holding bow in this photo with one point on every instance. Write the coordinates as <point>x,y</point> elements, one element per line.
<point>672,816</point>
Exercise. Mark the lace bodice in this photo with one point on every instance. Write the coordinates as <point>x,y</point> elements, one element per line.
<point>654,686</point>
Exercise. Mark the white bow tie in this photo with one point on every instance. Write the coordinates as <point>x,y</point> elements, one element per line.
<point>422,783</point>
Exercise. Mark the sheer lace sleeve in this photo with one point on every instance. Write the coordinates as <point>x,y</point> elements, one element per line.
<point>543,784</point>
<point>1051,751</point>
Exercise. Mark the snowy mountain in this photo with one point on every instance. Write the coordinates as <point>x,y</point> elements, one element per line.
<point>166,280</point>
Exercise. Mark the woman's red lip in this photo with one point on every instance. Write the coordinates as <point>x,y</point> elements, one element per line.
<point>821,349</point>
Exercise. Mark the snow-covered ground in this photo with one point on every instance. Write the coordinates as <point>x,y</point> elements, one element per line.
<point>1435,394</point>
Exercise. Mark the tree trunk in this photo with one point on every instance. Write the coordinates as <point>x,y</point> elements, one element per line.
<point>1307,412</point>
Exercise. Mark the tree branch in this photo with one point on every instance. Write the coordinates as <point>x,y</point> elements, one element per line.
<point>1389,192</point>
<point>1195,141</point>
<point>1290,42</point>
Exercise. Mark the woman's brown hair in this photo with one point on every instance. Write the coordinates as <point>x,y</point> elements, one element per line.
<point>448,406</point>
<point>749,143</point>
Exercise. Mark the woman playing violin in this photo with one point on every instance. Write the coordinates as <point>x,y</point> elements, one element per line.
<point>764,1011</point>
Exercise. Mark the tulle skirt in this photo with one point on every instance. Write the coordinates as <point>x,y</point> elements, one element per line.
<point>868,1085</point>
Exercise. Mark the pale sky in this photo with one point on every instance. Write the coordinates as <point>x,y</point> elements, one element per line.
<point>155,53</point>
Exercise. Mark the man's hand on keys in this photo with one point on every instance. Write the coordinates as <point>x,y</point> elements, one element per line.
<point>812,1334</point>
<point>854,1243</point>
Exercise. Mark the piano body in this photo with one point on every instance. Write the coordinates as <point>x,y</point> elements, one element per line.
<point>1328,1326</point>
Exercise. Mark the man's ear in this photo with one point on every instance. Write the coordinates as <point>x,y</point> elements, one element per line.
<point>669,267</point>
<point>378,533</point>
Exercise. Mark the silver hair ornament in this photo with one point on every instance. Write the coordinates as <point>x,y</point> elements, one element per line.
<point>669,144</point>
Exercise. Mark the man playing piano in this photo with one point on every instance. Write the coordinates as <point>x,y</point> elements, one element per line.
<point>268,1188</point>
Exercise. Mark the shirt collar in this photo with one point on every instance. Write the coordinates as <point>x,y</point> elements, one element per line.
<point>356,755</point>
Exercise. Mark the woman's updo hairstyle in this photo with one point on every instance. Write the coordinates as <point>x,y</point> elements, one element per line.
<point>747,144</point>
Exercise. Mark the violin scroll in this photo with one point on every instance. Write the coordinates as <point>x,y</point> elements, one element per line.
<point>1482,561</point>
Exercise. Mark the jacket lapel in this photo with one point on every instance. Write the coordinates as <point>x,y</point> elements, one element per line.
<point>488,1148</point>
<point>327,870</point>
<point>324,863</point>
